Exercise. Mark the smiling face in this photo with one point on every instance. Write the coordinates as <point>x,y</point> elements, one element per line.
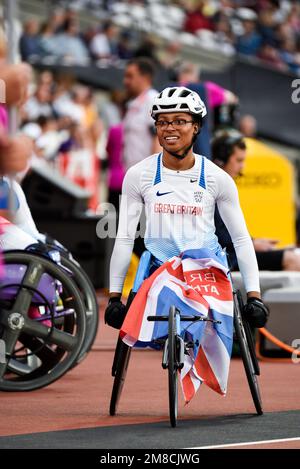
<point>174,138</point>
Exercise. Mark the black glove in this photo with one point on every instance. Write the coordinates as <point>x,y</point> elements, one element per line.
<point>256,312</point>
<point>115,313</point>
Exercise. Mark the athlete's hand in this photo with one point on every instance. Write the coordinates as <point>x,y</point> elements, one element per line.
<point>115,313</point>
<point>256,312</point>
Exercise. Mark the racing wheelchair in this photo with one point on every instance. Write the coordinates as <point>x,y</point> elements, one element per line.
<point>175,346</point>
<point>42,320</point>
<point>87,292</point>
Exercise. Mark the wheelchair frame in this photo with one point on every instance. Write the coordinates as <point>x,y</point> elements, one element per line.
<point>57,347</point>
<point>174,348</point>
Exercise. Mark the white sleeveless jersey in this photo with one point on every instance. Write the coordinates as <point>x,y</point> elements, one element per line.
<point>180,208</point>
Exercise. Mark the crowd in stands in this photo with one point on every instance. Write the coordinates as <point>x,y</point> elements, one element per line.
<point>265,29</point>
<point>62,119</point>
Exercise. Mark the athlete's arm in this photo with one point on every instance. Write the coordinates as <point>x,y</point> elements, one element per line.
<point>232,215</point>
<point>130,211</point>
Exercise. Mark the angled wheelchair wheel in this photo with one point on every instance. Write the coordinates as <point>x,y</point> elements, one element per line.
<point>250,364</point>
<point>122,362</point>
<point>119,367</point>
<point>172,366</point>
<point>42,322</point>
<point>91,305</point>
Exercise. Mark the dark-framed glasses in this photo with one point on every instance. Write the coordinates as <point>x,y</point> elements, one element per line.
<point>176,123</point>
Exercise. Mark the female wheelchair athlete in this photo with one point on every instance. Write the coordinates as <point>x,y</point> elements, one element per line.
<point>42,320</point>
<point>175,346</point>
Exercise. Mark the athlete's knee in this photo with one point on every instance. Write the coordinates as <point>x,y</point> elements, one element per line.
<point>291,260</point>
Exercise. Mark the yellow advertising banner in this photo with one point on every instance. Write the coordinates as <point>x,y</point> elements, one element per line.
<point>267,194</point>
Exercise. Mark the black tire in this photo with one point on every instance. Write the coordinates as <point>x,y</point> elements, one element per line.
<point>246,355</point>
<point>119,366</point>
<point>58,347</point>
<point>172,367</point>
<point>251,344</point>
<point>91,305</point>
<point>249,332</point>
<point>124,352</point>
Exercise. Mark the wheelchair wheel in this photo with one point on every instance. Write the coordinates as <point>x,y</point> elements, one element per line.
<point>172,367</point>
<point>245,349</point>
<point>42,348</point>
<point>119,366</point>
<point>121,361</point>
<point>91,305</point>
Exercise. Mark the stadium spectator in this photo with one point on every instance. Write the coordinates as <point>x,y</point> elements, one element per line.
<point>196,19</point>
<point>70,45</point>
<point>104,44</point>
<point>250,40</point>
<point>125,49</point>
<point>39,104</point>
<point>47,41</point>
<point>116,172</point>
<point>140,138</point>
<point>112,109</point>
<point>29,41</point>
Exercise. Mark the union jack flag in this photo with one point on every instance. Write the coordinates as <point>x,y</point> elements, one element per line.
<point>197,283</point>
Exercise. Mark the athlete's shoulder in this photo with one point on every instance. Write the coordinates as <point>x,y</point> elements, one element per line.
<point>145,166</point>
<point>219,173</point>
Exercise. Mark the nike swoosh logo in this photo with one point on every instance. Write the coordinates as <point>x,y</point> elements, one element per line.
<point>163,193</point>
<point>193,180</point>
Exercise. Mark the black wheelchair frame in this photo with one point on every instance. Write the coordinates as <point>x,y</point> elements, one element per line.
<point>173,351</point>
<point>86,289</point>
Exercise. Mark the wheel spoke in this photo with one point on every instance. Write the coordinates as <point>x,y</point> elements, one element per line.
<point>46,354</point>
<point>31,279</point>
<point>60,338</point>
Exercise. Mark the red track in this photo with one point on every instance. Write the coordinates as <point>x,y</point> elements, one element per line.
<point>81,398</point>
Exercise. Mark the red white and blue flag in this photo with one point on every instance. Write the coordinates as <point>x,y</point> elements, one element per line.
<point>197,283</point>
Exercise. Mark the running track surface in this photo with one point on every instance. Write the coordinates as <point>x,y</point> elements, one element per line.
<point>73,412</point>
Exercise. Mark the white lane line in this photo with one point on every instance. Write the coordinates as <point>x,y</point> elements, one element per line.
<point>247,443</point>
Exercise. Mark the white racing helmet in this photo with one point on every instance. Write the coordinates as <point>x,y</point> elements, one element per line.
<point>178,99</point>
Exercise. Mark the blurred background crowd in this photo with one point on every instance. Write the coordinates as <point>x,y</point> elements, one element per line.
<point>266,29</point>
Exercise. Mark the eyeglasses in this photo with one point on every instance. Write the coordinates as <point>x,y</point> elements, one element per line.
<point>176,123</point>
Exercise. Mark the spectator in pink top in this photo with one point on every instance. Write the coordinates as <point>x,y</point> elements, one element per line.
<point>3,117</point>
<point>116,169</point>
